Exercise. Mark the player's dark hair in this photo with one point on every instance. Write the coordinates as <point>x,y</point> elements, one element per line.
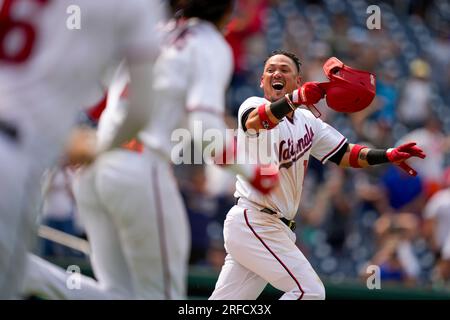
<point>290,55</point>
<point>210,10</point>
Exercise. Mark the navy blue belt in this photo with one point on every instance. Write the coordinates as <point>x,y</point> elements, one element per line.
<point>290,223</point>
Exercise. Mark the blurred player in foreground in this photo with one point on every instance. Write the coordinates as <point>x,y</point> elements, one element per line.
<point>45,79</point>
<point>133,213</point>
<point>259,229</point>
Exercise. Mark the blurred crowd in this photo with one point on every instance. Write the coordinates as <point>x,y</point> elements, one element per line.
<point>348,219</point>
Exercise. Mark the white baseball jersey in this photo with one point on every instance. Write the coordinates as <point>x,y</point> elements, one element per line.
<point>292,143</point>
<point>49,71</point>
<point>191,74</point>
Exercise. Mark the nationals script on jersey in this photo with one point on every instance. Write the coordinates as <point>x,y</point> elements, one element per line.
<point>292,141</point>
<point>49,71</point>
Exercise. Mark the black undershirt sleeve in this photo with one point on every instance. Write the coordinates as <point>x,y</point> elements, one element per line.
<point>337,157</point>
<point>244,118</point>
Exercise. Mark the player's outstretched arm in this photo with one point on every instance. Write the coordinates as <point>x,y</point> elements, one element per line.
<point>358,156</point>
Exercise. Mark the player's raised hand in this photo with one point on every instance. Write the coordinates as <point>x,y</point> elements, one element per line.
<point>308,94</point>
<point>405,151</point>
<point>265,178</point>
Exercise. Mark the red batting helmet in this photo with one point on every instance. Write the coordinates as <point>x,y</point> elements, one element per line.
<point>349,90</point>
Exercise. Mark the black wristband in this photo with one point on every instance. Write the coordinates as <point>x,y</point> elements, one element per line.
<point>376,156</point>
<point>280,108</point>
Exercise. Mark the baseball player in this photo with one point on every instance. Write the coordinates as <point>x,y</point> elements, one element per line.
<point>51,66</point>
<point>259,230</point>
<point>130,204</point>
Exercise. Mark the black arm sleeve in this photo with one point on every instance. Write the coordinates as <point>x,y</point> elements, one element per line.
<point>244,118</point>
<point>337,157</point>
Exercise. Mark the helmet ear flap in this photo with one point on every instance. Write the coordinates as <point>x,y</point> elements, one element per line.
<point>349,90</point>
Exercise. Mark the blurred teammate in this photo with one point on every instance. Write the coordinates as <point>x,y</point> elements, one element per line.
<point>132,210</point>
<point>48,71</point>
<point>259,230</point>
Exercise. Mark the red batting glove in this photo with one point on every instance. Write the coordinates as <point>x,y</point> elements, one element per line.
<point>308,94</point>
<point>265,178</point>
<point>405,151</point>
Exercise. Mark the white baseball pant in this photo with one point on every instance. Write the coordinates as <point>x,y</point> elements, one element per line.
<point>137,227</point>
<point>261,249</point>
<point>19,203</point>
<point>13,171</point>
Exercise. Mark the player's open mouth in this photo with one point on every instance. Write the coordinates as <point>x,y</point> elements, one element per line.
<point>278,85</point>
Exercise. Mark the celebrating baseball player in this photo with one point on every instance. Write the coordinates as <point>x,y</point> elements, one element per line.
<point>259,230</point>
<point>50,68</point>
